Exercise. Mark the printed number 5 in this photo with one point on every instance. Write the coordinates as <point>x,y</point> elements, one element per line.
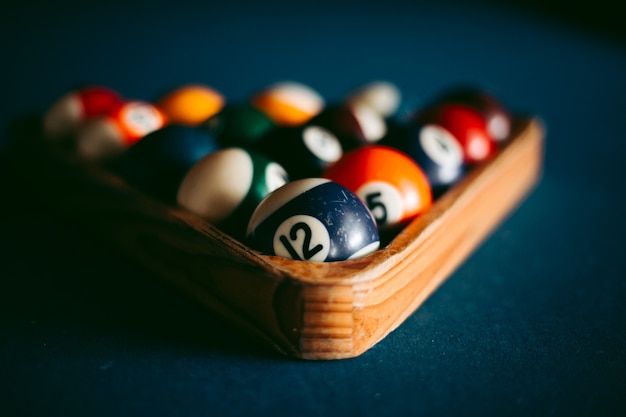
<point>377,207</point>
<point>383,200</point>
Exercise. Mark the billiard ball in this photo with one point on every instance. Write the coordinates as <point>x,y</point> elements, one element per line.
<point>70,111</point>
<point>239,124</point>
<point>108,136</point>
<point>225,186</point>
<point>388,181</point>
<point>157,163</point>
<point>434,149</point>
<point>496,114</point>
<point>191,104</point>
<point>466,125</point>
<point>288,103</point>
<point>383,97</point>
<point>354,124</point>
<point>313,219</point>
<point>304,151</point>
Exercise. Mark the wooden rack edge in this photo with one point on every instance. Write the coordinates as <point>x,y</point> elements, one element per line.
<point>303,309</point>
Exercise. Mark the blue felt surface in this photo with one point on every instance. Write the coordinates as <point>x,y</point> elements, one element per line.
<point>533,324</point>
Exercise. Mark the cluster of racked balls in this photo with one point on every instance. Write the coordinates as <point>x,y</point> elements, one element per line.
<point>283,171</point>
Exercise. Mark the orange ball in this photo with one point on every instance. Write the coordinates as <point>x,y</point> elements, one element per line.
<point>289,103</point>
<point>191,104</point>
<point>391,184</point>
<point>110,135</point>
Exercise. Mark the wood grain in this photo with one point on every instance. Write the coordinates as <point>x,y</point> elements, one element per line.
<point>304,309</point>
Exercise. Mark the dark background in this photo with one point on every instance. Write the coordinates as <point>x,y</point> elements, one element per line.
<point>533,324</point>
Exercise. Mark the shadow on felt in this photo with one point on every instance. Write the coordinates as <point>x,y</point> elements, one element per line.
<point>59,276</point>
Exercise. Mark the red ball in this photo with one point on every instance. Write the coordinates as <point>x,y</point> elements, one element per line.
<point>467,126</point>
<point>71,111</point>
<point>390,183</point>
<point>497,116</point>
<point>97,101</point>
<point>108,136</point>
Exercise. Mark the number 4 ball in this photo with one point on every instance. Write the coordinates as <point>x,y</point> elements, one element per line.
<point>435,150</point>
<point>313,219</point>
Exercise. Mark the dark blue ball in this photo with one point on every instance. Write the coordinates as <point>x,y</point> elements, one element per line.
<point>304,151</point>
<point>313,219</point>
<point>158,162</point>
<point>434,149</point>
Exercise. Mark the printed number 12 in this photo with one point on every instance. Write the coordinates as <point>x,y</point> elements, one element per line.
<point>307,251</point>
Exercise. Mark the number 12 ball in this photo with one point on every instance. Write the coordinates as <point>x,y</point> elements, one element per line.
<point>313,219</point>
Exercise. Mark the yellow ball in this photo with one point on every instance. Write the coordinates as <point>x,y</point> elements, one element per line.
<point>289,103</point>
<point>191,104</point>
<point>382,96</point>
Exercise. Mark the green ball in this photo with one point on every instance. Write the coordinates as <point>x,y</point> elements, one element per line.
<point>239,125</point>
<point>225,187</point>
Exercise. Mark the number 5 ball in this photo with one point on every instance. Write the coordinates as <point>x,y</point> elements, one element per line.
<point>313,219</point>
<point>391,184</point>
